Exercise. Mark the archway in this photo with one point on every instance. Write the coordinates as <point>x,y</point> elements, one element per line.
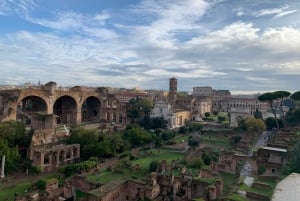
<point>90,110</point>
<point>29,106</point>
<point>65,108</point>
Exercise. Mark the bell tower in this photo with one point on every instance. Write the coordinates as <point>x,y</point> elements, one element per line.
<point>172,91</point>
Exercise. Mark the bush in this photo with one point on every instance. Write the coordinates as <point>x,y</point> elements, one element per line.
<point>215,113</point>
<point>221,118</point>
<point>41,184</point>
<point>261,170</point>
<point>194,162</point>
<point>153,166</point>
<point>207,114</point>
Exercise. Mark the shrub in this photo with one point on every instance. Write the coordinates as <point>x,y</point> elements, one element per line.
<point>153,166</point>
<point>41,184</point>
<point>261,170</point>
<point>194,162</point>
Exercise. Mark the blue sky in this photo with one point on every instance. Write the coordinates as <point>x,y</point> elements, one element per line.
<point>240,45</point>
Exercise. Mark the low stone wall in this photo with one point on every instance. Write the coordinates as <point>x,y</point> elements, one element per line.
<point>261,185</point>
<point>257,196</point>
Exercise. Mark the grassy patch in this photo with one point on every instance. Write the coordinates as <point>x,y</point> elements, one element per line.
<point>178,139</point>
<point>229,181</point>
<point>9,193</point>
<point>143,162</point>
<point>261,191</point>
<point>215,139</point>
<point>236,197</point>
<point>107,177</point>
<point>158,155</point>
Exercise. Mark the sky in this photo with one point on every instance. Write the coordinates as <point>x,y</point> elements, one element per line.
<point>239,45</point>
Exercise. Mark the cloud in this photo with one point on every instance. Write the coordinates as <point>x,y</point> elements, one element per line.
<point>285,13</point>
<point>168,38</point>
<point>277,12</point>
<point>72,22</point>
<point>20,7</point>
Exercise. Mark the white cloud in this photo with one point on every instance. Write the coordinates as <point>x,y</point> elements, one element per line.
<point>284,39</point>
<point>277,12</point>
<point>238,32</point>
<point>169,18</point>
<point>271,11</point>
<point>92,25</point>
<point>285,13</point>
<point>20,7</point>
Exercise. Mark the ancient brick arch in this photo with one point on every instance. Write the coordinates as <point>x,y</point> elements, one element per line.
<point>91,109</point>
<point>28,106</point>
<point>87,104</point>
<point>65,108</point>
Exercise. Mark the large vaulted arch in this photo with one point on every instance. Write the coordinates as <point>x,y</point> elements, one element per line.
<point>28,106</point>
<point>65,108</point>
<point>90,110</point>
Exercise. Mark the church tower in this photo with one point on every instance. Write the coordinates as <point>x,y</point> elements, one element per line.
<point>173,91</point>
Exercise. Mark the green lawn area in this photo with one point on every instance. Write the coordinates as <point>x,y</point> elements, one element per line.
<point>267,192</point>
<point>107,176</point>
<point>8,194</point>
<point>229,181</point>
<point>236,197</point>
<point>159,155</point>
<point>215,139</point>
<point>178,139</point>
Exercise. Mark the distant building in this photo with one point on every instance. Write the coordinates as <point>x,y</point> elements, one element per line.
<point>176,110</point>
<point>202,91</point>
<point>175,117</point>
<point>251,104</point>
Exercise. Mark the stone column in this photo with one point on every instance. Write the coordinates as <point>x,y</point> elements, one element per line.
<point>212,192</point>
<point>3,167</point>
<point>78,115</point>
<point>42,161</point>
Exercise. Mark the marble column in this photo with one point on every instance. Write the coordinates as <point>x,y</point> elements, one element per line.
<point>3,167</point>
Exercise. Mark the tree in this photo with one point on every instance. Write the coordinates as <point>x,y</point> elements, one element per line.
<point>294,161</point>
<point>138,108</point>
<point>293,117</point>
<point>11,154</point>
<point>83,136</point>
<point>137,136</point>
<point>215,113</point>
<point>270,123</point>
<point>280,95</point>
<point>255,125</point>
<point>194,140</point>
<point>207,114</point>
<point>296,95</point>
<point>12,131</point>
<point>275,100</point>
<point>221,118</point>
<point>258,114</point>
<point>153,166</point>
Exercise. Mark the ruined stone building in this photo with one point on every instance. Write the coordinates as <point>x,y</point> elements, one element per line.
<point>51,111</point>
<point>72,106</point>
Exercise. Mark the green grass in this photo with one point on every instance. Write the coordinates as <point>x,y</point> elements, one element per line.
<point>106,176</point>
<point>215,139</point>
<point>261,191</point>
<point>8,193</point>
<point>236,197</point>
<point>178,139</point>
<point>229,181</point>
<point>159,155</point>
